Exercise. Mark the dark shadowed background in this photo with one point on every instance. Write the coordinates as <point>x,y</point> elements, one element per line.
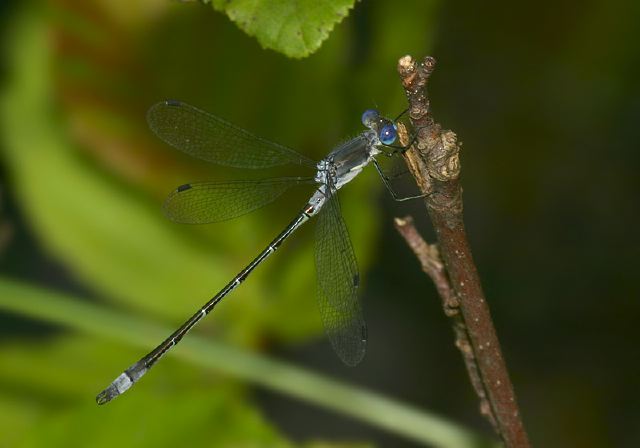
<point>545,97</point>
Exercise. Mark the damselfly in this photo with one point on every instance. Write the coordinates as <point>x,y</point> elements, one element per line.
<point>214,140</point>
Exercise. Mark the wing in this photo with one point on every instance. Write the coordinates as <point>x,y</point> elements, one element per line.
<point>338,281</point>
<point>210,138</point>
<point>205,202</point>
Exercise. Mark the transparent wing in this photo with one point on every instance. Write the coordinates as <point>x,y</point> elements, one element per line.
<point>210,138</point>
<point>206,202</point>
<point>338,281</point>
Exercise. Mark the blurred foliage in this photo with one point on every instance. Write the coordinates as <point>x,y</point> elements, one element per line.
<point>90,177</point>
<point>21,368</point>
<point>53,410</point>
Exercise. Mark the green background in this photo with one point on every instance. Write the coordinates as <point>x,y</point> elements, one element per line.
<point>546,99</point>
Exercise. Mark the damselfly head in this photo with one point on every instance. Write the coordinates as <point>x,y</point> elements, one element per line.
<point>384,128</point>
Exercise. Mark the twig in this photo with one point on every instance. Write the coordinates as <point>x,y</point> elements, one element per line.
<point>434,162</point>
<point>431,263</point>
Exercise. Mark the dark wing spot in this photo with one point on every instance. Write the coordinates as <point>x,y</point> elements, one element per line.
<point>184,187</point>
<point>173,103</point>
<point>356,280</point>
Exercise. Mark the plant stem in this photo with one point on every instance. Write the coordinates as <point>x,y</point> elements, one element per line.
<point>375,409</point>
<point>431,263</point>
<point>434,162</point>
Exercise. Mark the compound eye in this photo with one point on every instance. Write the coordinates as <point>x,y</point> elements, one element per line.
<point>388,134</point>
<point>369,117</point>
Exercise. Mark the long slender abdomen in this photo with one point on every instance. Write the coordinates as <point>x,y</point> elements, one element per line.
<point>130,376</point>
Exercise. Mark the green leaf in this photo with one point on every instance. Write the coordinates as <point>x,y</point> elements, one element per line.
<point>47,389</point>
<point>295,28</point>
<point>194,419</point>
<point>46,399</point>
<point>351,400</point>
<point>64,370</point>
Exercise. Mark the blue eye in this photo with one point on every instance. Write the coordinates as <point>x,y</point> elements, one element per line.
<point>369,117</point>
<point>388,134</point>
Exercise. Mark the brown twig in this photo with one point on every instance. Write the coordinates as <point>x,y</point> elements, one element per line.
<point>434,162</point>
<point>431,263</point>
